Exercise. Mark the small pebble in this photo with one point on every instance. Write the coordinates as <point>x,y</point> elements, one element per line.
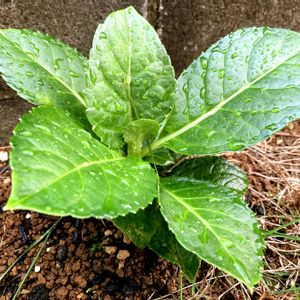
<point>6,181</point>
<point>62,293</point>
<point>80,281</point>
<point>123,254</point>
<point>37,269</point>
<point>110,249</point>
<point>3,156</point>
<point>108,232</point>
<point>28,216</point>
<point>126,240</point>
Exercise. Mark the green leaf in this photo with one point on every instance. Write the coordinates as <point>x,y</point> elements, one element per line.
<point>43,70</point>
<point>209,218</point>
<point>215,170</point>
<point>141,226</point>
<point>61,169</point>
<point>138,132</point>
<point>165,244</point>
<point>239,92</point>
<point>148,228</point>
<point>130,76</point>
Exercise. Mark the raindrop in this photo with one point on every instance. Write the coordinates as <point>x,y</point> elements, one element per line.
<point>203,62</point>
<point>275,110</point>
<point>273,53</point>
<point>43,128</point>
<point>102,35</point>
<point>41,82</point>
<point>56,63</point>
<point>186,111</point>
<point>266,30</point>
<point>26,152</point>
<point>234,55</point>
<point>185,88</point>
<point>272,126</point>
<point>26,133</point>
<point>74,74</point>
<point>235,145</point>
<point>221,73</point>
<point>29,74</point>
<point>202,93</point>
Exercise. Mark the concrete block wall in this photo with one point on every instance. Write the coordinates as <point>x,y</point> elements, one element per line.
<point>186,27</point>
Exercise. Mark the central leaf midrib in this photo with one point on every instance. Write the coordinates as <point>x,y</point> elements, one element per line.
<point>75,169</point>
<point>71,90</point>
<point>214,110</point>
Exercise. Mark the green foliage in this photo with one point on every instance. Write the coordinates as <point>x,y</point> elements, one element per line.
<point>43,70</point>
<point>108,138</point>
<point>61,169</point>
<point>130,76</point>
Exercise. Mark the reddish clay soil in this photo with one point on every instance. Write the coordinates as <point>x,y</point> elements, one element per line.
<point>91,259</point>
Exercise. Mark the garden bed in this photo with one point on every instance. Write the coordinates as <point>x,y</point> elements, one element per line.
<point>91,259</point>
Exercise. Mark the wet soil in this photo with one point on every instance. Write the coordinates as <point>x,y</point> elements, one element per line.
<point>91,259</point>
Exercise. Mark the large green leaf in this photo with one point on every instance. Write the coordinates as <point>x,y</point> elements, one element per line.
<point>209,218</point>
<point>43,70</point>
<point>165,244</point>
<point>240,91</point>
<point>148,228</point>
<point>60,169</point>
<point>130,76</point>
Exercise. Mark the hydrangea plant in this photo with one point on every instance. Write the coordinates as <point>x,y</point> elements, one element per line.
<point>117,136</point>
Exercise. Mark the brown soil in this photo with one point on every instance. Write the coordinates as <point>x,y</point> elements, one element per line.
<point>90,259</point>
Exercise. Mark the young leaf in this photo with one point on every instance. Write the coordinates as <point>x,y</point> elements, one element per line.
<point>42,69</point>
<point>148,228</point>
<point>209,219</point>
<point>60,169</point>
<point>131,76</point>
<point>240,91</point>
<point>139,131</point>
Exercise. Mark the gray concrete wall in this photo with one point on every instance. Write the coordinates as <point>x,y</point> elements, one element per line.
<point>186,27</point>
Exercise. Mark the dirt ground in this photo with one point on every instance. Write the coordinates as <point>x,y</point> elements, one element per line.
<point>90,259</point>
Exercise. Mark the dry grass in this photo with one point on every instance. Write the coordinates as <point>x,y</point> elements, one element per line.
<point>273,168</point>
